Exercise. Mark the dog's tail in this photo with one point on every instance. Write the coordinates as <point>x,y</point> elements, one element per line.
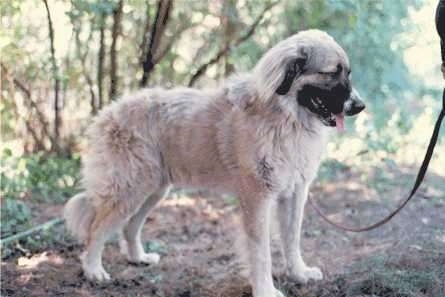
<point>79,214</point>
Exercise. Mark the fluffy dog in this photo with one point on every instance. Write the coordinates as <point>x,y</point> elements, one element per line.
<point>260,137</point>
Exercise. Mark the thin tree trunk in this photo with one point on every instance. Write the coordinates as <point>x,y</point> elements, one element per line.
<point>83,59</point>
<point>101,60</point>
<point>157,30</point>
<point>229,13</point>
<point>145,34</point>
<point>117,17</point>
<point>66,65</point>
<point>57,118</point>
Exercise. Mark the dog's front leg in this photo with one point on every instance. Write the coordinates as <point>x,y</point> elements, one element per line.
<point>290,215</point>
<point>256,219</point>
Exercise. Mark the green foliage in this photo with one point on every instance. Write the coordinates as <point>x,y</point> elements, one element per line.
<point>42,240</point>
<point>15,216</point>
<point>39,177</point>
<point>33,178</point>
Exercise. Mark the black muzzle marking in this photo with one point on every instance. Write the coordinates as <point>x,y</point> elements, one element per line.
<point>325,103</point>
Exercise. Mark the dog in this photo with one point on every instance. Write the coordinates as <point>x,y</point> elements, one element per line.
<point>260,136</point>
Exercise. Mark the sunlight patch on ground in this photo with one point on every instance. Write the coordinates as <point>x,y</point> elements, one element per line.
<point>182,201</point>
<point>188,201</point>
<point>36,260</point>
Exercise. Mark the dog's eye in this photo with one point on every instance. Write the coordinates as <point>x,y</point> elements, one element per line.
<point>335,73</point>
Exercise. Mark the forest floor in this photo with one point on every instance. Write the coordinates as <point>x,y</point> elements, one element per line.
<point>196,236</point>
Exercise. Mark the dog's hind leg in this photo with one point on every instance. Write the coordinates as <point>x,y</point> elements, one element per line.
<point>106,220</point>
<point>130,242</point>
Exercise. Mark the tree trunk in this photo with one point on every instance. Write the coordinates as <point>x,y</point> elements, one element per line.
<point>82,56</point>
<point>229,14</point>
<point>157,30</point>
<point>145,34</point>
<point>101,60</point>
<point>55,69</point>
<point>117,17</point>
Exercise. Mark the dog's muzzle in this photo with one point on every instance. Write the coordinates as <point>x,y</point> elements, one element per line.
<point>326,104</point>
<point>331,105</point>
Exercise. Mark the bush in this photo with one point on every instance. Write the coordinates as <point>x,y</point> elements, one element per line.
<point>39,176</point>
<point>15,217</point>
<point>33,178</point>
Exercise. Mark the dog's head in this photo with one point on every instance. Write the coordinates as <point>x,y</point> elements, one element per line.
<point>310,70</point>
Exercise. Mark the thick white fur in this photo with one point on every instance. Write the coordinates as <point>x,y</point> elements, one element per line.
<point>241,138</point>
<point>78,213</point>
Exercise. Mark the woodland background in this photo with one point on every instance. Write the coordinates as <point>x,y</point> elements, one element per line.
<point>63,61</point>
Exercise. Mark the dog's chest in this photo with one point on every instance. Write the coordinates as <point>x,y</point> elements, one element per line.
<point>310,151</point>
<point>297,160</point>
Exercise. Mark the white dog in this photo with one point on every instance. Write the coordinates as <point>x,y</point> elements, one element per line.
<point>260,137</point>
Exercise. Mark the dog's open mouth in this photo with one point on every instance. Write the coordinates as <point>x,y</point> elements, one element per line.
<point>327,105</point>
<point>328,118</point>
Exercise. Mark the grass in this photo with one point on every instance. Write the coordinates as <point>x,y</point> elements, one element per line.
<point>411,273</point>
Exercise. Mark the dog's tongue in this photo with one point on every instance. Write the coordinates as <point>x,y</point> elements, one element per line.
<point>340,123</point>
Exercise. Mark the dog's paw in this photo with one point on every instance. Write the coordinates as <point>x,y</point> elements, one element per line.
<point>272,293</point>
<point>306,273</point>
<point>93,270</point>
<point>146,258</point>
<point>96,274</point>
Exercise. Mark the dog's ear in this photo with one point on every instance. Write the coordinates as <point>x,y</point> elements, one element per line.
<point>293,68</point>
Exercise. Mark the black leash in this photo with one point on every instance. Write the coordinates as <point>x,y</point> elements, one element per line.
<point>440,26</point>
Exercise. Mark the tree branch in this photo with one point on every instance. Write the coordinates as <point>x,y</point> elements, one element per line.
<point>40,116</point>
<point>228,46</point>
<point>157,30</point>
<point>38,144</point>
<point>145,33</point>
<point>57,119</point>
<point>83,59</point>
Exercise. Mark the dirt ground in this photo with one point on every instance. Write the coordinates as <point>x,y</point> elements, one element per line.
<point>197,239</point>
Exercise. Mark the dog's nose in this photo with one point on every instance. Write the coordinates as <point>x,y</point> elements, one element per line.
<point>354,104</point>
<point>357,106</point>
<point>353,107</point>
